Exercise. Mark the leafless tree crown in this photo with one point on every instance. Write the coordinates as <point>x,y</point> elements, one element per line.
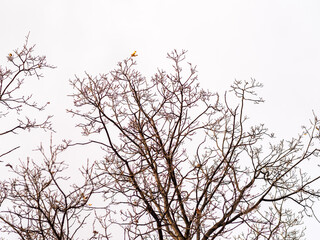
<point>179,162</point>
<point>186,163</point>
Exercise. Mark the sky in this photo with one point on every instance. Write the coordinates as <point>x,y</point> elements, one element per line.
<point>275,42</point>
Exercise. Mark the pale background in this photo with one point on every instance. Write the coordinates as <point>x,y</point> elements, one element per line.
<point>277,42</point>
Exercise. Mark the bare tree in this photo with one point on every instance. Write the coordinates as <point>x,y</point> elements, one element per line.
<point>185,164</point>
<point>40,205</point>
<point>37,201</point>
<point>23,65</point>
<point>180,162</point>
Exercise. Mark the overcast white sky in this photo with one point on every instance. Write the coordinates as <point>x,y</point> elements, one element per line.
<point>277,42</point>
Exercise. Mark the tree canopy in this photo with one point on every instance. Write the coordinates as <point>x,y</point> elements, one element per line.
<point>179,162</point>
